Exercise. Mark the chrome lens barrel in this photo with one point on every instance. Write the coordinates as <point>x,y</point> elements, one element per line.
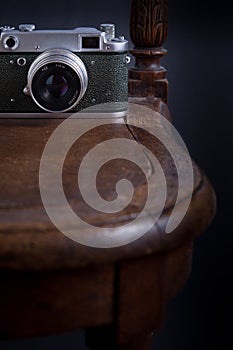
<point>61,58</point>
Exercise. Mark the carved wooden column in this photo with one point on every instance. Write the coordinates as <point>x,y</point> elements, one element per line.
<point>148,29</point>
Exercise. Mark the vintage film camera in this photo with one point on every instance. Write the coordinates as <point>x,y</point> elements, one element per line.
<point>62,70</point>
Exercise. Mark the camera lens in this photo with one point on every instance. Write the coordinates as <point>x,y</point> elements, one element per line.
<point>57,80</point>
<point>56,85</point>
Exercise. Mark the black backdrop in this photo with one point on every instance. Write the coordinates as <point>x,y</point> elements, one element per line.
<point>199,64</point>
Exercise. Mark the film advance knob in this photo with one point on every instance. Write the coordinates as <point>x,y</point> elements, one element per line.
<point>109,29</point>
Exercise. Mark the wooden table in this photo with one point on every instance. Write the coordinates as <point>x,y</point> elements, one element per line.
<point>52,284</point>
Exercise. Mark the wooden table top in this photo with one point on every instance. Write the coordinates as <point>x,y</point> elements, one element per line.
<point>28,239</point>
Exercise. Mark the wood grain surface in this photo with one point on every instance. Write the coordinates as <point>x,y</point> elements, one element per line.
<point>49,283</point>
<point>148,29</point>
<point>149,23</point>
<point>28,239</point>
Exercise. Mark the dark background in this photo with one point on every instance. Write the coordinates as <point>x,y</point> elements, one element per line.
<point>199,64</point>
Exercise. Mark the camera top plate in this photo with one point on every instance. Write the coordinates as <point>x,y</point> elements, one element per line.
<point>82,39</point>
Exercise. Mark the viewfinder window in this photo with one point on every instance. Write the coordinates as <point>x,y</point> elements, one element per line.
<point>90,42</point>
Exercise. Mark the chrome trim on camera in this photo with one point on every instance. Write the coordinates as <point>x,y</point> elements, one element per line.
<point>63,57</point>
<point>21,61</point>
<point>78,115</point>
<point>42,40</point>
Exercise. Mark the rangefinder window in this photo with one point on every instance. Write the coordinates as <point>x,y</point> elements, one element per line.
<point>90,42</point>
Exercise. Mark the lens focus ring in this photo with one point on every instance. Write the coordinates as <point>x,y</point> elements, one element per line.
<point>58,57</point>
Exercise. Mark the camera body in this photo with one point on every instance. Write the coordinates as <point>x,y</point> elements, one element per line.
<point>62,70</point>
